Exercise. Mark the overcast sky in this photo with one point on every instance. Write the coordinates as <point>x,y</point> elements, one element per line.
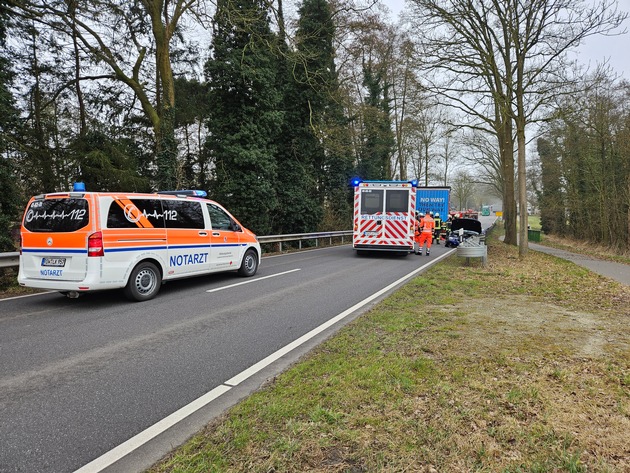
<point>597,49</point>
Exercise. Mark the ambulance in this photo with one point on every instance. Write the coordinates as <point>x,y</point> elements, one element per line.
<point>384,215</point>
<point>76,242</point>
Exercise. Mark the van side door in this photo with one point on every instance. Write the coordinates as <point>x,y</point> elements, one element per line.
<point>187,236</point>
<point>133,228</point>
<point>226,250</point>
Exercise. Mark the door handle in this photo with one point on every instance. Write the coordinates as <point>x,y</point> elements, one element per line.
<point>216,234</point>
<point>203,233</point>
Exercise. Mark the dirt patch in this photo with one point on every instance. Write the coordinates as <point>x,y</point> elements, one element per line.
<point>519,321</point>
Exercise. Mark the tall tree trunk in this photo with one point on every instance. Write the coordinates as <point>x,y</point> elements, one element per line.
<point>165,142</point>
<point>506,149</point>
<point>522,189</point>
<point>72,5</point>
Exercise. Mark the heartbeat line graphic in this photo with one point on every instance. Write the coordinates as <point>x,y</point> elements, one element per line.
<point>73,215</point>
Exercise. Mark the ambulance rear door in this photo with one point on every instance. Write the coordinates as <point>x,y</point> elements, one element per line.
<point>55,232</point>
<point>371,226</point>
<point>384,216</point>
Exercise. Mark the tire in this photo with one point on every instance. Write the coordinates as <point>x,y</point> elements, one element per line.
<point>249,265</point>
<point>144,282</point>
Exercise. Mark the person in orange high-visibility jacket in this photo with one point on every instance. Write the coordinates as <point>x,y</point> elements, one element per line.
<point>426,227</point>
<point>417,227</point>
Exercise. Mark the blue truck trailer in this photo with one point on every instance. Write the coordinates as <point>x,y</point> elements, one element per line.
<point>434,199</point>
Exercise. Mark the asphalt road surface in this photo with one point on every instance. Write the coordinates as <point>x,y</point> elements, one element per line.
<point>101,383</point>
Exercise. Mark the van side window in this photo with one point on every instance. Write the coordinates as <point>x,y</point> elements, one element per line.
<point>219,219</point>
<point>135,213</point>
<point>183,214</point>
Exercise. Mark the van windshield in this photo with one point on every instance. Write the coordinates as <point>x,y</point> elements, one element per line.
<point>57,215</point>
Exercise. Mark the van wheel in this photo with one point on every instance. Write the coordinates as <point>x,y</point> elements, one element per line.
<point>249,265</point>
<point>144,282</point>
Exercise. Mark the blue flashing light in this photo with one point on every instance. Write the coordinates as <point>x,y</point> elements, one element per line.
<point>414,182</point>
<point>186,193</point>
<point>355,181</point>
<point>78,187</point>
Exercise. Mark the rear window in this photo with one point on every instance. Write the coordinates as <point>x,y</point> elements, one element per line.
<point>371,201</point>
<point>57,215</point>
<point>397,201</point>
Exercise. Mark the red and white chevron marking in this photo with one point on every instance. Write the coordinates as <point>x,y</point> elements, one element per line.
<point>392,229</point>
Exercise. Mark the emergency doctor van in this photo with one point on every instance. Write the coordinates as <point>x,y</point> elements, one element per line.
<point>384,215</point>
<point>79,241</point>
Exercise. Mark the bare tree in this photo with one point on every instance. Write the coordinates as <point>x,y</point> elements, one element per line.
<point>450,149</point>
<point>500,61</point>
<point>130,41</point>
<point>485,154</point>
<point>463,188</point>
<point>464,64</point>
<point>542,31</point>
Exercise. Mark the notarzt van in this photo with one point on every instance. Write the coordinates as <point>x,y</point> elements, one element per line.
<point>81,241</point>
<point>384,215</point>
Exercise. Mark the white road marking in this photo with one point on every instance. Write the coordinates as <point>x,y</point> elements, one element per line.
<point>26,295</point>
<point>125,448</point>
<point>252,280</point>
<point>156,429</point>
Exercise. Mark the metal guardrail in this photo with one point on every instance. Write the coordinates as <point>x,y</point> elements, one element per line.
<point>300,237</point>
<point>8,260</point>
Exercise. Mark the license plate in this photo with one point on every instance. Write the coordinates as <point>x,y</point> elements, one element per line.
<point>371,233</point>
<point>54,262</point>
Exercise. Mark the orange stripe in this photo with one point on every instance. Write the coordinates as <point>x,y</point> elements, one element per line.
<point>141,221</point>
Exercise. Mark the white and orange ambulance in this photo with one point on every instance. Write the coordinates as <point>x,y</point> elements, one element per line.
<point>80,241</point>
<point>384,215</point>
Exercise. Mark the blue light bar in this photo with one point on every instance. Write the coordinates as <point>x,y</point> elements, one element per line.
<point>186,193</point>
<point>78,187</point>
<point>355,181</point>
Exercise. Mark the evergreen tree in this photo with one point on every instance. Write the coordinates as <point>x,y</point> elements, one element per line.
<point>190,115</point>
<point>378,141</point>
<point>244,120</point>
<point>319,123</point>
<point>107,164</point>
<point>551,199</point>
<point>9,197</point>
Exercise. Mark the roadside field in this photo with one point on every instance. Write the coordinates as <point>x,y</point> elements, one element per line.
<point>518,366</point>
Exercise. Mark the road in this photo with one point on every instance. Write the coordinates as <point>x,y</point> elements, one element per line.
<point>81,377</point>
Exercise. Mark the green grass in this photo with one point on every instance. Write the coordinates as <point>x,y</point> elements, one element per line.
<point>519,366</point>
<point>534,222</point>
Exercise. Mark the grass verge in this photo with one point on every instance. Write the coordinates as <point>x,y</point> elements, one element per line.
<point>518,366</point>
